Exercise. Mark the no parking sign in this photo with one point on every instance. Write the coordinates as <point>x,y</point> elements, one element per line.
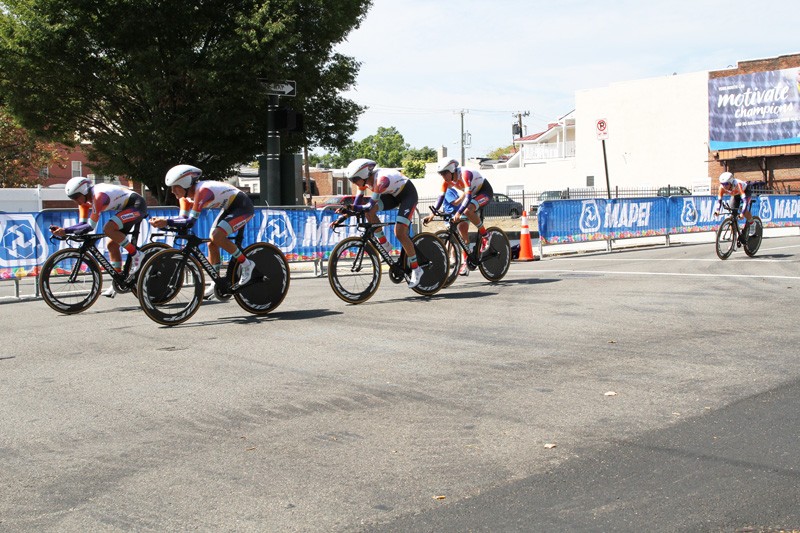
<point>602,129</point>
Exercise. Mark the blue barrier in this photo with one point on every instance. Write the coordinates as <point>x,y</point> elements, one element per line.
<point>596,219</point>
<point>302,234</point>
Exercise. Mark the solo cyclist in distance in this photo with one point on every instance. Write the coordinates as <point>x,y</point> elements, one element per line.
<point>742,193</point>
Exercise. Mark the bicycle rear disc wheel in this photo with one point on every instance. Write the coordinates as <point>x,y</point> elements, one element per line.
<point>726,241</point>
<point>496,260</point>
<point>453,257</point>
<point>70,283</point>
<point>170,287</point>
<point>261,297</point>
<point>432,258</point>
<point>354,270</point>
<point>753,242</point>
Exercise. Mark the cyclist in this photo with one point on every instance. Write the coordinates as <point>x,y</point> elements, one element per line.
<point>477,193</point>
<point>194,196</point>
<point>390,189</point>
<point>94,199</point>
<point>449,201</point>
<point>742,193</point>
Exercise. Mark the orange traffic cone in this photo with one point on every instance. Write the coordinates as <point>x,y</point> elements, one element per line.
<point>525,245</point>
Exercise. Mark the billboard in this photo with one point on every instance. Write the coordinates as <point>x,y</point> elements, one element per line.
<point>752,110</point>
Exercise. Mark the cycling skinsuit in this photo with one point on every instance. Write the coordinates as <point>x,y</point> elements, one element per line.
<point>130,207</point>
<point>477,188</point>
<point>741,191</point>
<point>237,208</point>
<point>390,189</point>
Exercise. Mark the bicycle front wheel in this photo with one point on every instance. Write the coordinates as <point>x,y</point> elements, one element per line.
<point>272,275</point>
<point>70,283</point>
<point>354,270</point>
<point>170,287</point>
<point>148,250</point>
<point>726,239</point>
<point>432,258</point>
<point>453,257</point>
<point>496,259</point>
<point>753,242</point>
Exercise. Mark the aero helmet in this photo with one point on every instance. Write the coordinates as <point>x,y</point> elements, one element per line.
<point>183,176</point>
<point>78,185</point>
<point>446,164</point>
<point>360,168</point>
<point>725,177</point>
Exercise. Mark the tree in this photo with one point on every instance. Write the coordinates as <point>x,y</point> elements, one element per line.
<point>22,155</point>
<point>387,147</point>
<point>501,152</point>
<point>154,84</point>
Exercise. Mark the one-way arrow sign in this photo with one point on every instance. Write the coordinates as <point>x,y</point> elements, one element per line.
<point>280,88</point>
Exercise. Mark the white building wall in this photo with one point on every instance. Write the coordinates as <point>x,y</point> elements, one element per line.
<point>657,132</point>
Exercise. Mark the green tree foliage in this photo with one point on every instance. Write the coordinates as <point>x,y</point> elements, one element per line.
<point>22,155</point>
<point>156,83</point>
<point>387,147</point>
<point>501,152</point>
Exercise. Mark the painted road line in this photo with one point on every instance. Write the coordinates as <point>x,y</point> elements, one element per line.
<point>633,273</point>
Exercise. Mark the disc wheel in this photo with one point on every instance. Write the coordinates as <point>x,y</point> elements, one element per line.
<point>753,242</point>
<point>70,283</point>
<point>270,280</point>
<point>432,258</point>
<point>354,270</point>
<point>496,259</point>
<point>170,287</point>
<point>453,257</point>
<point>725,242</point>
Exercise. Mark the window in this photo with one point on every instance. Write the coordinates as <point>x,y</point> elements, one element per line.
<point>590,181</point>
<point>339,187</point>
<point>77,169</point>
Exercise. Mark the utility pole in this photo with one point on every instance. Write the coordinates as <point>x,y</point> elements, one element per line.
<point>519,115</point>
<point>463,137</point>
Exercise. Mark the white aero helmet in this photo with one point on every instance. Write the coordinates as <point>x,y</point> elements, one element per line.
<point>183,176</point>
<point>360,168</point>
<point>446,164</point>
<point>725,177</point>
<point>78,185</point>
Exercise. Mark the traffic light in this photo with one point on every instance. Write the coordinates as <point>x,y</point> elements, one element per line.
<point>288,120</point>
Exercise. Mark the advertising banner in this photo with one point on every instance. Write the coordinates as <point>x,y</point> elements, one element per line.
<point>567,221</point>
<point>301,234</point>
<point>758,109</point>
<point>570,221</point>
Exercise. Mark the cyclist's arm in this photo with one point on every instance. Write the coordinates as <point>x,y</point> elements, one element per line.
<point>469,191</point>
<point>85,223</point>
<point>357,205</point>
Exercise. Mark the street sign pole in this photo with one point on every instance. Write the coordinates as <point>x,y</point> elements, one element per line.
<point>269,171</point>
<point>605,165</point>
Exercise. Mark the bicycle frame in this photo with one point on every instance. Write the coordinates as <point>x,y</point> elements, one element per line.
<point>368,235</point>
<point>192,249</point>
<point>452,230</point>
<point>89,246</point>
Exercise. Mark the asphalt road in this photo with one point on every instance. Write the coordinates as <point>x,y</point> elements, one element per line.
<point>654,389</point>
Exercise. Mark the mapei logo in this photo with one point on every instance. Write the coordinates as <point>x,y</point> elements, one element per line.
<point>20,240</point>
<point>764,209</point>
<point>689,214</point>
<point>277,229</point>
<point>590,217</point>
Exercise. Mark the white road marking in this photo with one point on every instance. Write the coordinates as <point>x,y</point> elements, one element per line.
<point>633,273</point>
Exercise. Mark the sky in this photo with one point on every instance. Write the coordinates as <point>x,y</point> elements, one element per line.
<point>423,62</point>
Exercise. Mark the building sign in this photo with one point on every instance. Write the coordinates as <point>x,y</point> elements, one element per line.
<point>750,110</point>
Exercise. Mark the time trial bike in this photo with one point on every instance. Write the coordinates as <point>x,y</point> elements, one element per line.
<point>171,283</point>
<point>730,235</point>
<point>493,261</point>
<point>354,266</point>
<point>71,280</point>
